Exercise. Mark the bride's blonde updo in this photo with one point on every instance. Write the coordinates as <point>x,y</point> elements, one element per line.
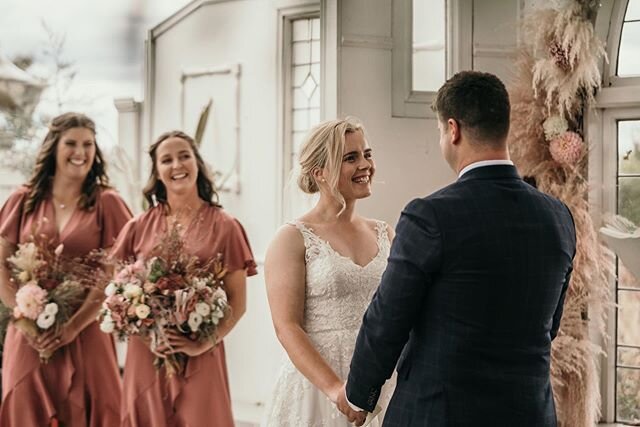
<point>323,149</point>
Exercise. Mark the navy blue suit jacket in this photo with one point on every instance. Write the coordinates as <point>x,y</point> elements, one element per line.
<point>468,306</point>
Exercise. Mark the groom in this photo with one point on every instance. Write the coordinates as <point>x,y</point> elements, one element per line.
<point>473,293</point>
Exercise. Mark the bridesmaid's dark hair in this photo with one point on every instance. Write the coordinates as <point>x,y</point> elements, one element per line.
<point>155,191</point>
<point>45,168</point>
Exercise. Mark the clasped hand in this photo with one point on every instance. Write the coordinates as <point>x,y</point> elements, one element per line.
<point>339,397</point>
<point>180,343</point>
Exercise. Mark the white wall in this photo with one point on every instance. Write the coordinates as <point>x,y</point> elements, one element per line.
<point>407,153</point>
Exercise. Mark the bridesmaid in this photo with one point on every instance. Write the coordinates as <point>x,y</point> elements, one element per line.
<point>80,384</point>
<point>182,190</point>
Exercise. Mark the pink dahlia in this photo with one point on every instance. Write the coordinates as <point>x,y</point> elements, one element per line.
<point>567,148</point>
<point>30,300</point>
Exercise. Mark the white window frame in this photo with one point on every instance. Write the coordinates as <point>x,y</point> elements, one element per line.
<point>619,99</point>
<point>286,16</point>
<point>407,102</point>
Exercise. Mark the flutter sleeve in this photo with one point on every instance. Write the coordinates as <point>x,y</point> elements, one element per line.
<point>11,216</point>
<point>115,214</point>
<point>237,251</point>
<point>122,249</point>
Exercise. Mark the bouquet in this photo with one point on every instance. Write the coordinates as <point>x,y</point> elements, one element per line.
<point>50,287</point>
<point>169,291</point>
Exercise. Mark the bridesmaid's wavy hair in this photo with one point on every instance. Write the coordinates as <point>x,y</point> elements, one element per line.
<point>45,168</point>
<point>323,149</point>
<point>155,191</point>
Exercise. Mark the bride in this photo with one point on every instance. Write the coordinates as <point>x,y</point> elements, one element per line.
<point>321,273</point>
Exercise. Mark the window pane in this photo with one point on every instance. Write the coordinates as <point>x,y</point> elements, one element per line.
<point>428,58</point>
<point>315,33</point>
<point>315,51</point>
<point>300,120</point>
<point>629,318</point>
<point>300,99</point>
<point>301,53</point>
<point>626,279</point>
<point>629,54</point>
<point>629,147</point>
<point>629,198</point>
<point>300,29</point>
<point>628,395</point>
<point>633,10</point>
<point>629,357</point>
<point>314,117</point>
<point>300,73</point>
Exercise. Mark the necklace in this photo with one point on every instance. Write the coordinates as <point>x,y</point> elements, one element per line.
<point>63,206</point>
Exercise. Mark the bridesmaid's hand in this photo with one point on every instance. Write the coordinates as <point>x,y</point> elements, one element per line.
<point>32,341</point>
<point>51,341</point>
<point>178,343</point>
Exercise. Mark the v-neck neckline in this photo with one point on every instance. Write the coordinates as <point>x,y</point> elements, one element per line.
<point>344,257</point>
<point>189,226</point>
<point>61,231</point>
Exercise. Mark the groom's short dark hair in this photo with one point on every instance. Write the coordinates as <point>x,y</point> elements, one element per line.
<point>479,102</point>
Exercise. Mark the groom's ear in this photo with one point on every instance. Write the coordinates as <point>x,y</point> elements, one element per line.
<point>453,128</point>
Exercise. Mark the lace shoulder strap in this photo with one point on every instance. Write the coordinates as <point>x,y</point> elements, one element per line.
<point>312,243</point>
<point>383,235</point>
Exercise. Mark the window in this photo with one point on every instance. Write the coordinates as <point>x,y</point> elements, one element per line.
<point>621,194</point>
<point>428,45</point>
<point>436,45</point>
<point>614,167</point>
<point>302,95</point>
<point>629,54</point>
<point>627,286</point>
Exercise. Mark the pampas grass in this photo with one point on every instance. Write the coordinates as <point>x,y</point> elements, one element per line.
<point>557,74</point>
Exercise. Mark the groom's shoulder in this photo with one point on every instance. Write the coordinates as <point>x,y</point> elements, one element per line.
<point>431,202</point>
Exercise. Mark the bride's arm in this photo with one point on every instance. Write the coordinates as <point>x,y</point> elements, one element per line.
<point>285,277</point>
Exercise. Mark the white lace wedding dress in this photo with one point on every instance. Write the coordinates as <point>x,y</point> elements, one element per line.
<point>338,292</point>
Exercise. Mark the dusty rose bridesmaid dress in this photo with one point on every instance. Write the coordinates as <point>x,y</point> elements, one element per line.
<point>200,397</point>
<point>80,385</point>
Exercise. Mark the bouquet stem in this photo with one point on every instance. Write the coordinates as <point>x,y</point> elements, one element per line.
<point>28,327</point>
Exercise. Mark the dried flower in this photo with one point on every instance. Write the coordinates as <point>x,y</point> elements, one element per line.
<point>560,55</point>
<point>26,258</point>
<point>567,148</point>
<point>554,126</point>
<point>59,249</point>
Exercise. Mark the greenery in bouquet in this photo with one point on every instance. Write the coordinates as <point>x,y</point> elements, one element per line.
<point>171,291</point>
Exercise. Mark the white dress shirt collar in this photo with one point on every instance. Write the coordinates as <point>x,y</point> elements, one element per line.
<point>484,163</point>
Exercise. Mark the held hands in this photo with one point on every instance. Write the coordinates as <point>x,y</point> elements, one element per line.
<point>339,396</point>
<point>50,341</point>
<point>179,343</point>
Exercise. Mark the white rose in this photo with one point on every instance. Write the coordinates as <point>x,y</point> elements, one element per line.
<point>217,313</point>
<point>143,311</point>
<point>203,309</point>
<point>45,320</point>
<point>131,290</point>
<point>195,320</point>
<point>107,325</point>
<point>219,293</point>
<point>110,289</point>
<point>51,308</point>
